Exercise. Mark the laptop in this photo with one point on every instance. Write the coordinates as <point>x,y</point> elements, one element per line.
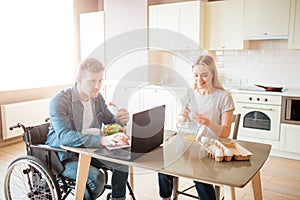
<point>146,134</point>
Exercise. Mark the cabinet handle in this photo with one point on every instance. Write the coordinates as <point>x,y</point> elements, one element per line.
<point>254,108</point>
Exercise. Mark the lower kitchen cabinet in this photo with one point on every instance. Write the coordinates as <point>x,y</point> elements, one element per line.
<point>124,97</point>
<point>158,96</point>
<point>290,137</point>
<point>136,99</point>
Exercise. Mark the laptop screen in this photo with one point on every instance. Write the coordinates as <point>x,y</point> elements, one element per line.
<point>147,129</point>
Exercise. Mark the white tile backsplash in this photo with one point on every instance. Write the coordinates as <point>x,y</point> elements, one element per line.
<point>267,62</point>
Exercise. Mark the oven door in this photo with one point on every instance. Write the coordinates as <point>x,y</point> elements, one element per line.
<point>259,121</point>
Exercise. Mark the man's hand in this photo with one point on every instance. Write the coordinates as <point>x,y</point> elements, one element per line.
<point>114,139</point>
<point>123,116</point>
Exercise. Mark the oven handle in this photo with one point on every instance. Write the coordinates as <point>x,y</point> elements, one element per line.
<point>247,107</point>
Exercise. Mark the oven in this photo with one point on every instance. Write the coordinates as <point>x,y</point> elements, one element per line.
<point>260,116</point>
<point>290,110</point>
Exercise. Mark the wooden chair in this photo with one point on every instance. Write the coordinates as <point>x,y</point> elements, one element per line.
<point>176,192</point>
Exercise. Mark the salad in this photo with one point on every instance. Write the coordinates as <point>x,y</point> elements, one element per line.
<point>112,129</point>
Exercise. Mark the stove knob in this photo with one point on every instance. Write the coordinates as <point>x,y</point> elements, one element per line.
<point>258,99</point>
<point>266,100</point>
<point>250,98</point>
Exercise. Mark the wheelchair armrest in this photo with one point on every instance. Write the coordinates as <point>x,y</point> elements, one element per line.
<point>48,155</point>
<point>48,148</point>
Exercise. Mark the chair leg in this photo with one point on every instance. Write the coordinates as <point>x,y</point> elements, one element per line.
<point>175,188</point>
<point>130,190</point>
<point>218,192</point>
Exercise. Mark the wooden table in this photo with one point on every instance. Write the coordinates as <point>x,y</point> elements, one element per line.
<point>185,159</point>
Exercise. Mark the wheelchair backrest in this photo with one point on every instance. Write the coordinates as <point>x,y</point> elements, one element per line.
<point>35,138</point>
<point>38,134</point>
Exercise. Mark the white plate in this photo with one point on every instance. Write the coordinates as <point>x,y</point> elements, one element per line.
<point>93,131</point>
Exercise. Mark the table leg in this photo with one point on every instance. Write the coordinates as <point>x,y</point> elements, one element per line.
<point>175,187</point>
<point>131,178</point>
<point>256,186</point>
<point>229,192</point>
<point>82,174</point>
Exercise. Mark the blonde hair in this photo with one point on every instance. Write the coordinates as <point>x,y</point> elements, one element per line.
<point>209,62</point>
<point>90,65</point>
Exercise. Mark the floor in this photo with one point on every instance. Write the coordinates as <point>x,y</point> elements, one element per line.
<point>280,178</point>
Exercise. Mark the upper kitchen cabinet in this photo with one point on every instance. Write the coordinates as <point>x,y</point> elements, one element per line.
<point>91,33</point>
<point>294,26</point>
<point>126,40</point>
<point>266,19</point>
<point>224,25</point>
<point>185,20</point>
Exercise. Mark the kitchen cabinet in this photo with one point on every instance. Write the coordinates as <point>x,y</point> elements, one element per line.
<point>224,25</point>
<point>124,97</point>
<point>266,19</point>
<point>125,44</point>
<point>135,99</point>
<point>153,96</point>
<point>294,26</point>
<point>185,19</point>
<point>91,33</point>
<point>290,137</point>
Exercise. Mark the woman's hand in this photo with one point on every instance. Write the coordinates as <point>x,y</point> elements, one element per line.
<point>201,119</point>
<point>114,139</point>
<point>123,116</point>
<point>185,115</point>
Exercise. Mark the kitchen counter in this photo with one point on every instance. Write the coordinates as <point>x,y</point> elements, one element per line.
<point>295,92</point>
<point>286,92</point>
<point>283,136</point>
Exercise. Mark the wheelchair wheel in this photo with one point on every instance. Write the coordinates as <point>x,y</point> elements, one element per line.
<point>104,173</point>
<point>29,178</point>
<point>108,196</point>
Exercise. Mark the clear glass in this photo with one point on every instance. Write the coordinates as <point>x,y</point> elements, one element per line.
<point>189,130</point>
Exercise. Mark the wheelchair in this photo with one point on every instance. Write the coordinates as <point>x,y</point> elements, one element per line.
<point>37,175</point>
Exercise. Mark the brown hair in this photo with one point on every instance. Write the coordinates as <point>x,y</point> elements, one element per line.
<point>90,65</point>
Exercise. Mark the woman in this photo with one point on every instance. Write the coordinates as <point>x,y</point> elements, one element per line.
<point>209,105</point>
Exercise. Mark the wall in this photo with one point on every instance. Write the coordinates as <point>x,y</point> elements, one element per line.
<point>14,96</point>
<point>80,6</point>
<point>172,64</point>
<point>267,62</point>
<point>83,6</point>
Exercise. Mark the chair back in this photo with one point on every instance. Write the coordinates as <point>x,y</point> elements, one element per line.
<point>38,134</point>
<point>35,139</point>
<point>236,120</point>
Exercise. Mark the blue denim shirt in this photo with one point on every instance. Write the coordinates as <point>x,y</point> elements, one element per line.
<point>66,118</point>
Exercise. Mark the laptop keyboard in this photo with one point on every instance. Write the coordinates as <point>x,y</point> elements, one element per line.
<point>124,152</point>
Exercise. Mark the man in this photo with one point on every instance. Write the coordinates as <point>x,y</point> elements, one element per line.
<point>73,112</point>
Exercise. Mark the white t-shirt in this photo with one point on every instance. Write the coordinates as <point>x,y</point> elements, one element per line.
<point>87,115</point>
<point>211,105</point>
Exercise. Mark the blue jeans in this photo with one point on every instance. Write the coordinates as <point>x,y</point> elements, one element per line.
<point>205,191</point>
<point>96,181</point>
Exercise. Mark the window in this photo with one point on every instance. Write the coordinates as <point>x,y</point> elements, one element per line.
<point>37,43</point>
